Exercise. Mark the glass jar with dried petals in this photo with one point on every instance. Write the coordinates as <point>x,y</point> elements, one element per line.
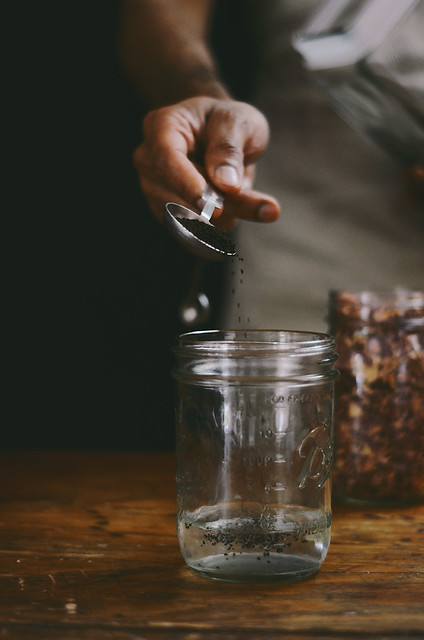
<point>379,398</point>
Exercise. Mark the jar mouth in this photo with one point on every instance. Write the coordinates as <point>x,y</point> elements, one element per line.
<point>234,341</point>
<point>398,298</point>
<point>387,309</point>
<point>255,356</point>
<point>254,338</point>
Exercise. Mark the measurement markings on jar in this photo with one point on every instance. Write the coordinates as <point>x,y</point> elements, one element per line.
<point>270,433</point>
<point>280,400</point>
<point>258,460</point>
<point>277,486</point>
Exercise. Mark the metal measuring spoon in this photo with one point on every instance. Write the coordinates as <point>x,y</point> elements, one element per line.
<point>206,248</point>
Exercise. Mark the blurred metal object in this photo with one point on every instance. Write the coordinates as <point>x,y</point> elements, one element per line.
<point>368,55</point>
<point>195,308</point>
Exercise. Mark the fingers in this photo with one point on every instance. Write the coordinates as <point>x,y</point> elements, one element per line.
<point>250,205</point>
<point>236,135</point>
<point>200,140</point>
<point>164,162</point>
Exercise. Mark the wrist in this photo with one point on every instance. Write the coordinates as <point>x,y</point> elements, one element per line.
<point>199,80</point>
<point>188,77</point>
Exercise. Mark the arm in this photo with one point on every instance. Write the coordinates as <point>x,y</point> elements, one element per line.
<point>195,131</point>
<point>163,49</point>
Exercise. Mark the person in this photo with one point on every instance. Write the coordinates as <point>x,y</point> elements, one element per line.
<point>96,282</point>
<point>193,110</point>
<point>353,217</point>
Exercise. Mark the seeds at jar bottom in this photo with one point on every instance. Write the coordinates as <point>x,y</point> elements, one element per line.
<point>241,548</point>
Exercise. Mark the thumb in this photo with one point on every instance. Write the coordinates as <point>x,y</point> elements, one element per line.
<point>236,135</point>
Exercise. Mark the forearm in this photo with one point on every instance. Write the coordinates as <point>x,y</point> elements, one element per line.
<point>163,49</point>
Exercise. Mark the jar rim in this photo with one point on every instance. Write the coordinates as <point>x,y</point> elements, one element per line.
<point>398,298</point>
<point>255,340</point>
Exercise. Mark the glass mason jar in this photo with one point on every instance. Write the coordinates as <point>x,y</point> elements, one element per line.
<point>379,401</point>
<point>254,452</point>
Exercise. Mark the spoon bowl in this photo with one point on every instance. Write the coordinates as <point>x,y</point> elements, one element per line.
<point>208,243</point>
<point>174,214</point>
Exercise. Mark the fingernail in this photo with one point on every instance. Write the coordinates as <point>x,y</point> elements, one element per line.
<point>266,213</point>
<point>227,175</point>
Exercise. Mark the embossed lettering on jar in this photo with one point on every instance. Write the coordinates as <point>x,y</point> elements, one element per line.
<point>254,452</point>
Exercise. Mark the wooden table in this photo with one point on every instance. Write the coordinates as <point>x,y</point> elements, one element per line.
<point>88,550</point>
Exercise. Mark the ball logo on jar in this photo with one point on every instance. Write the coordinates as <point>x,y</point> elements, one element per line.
<point>317,450</point>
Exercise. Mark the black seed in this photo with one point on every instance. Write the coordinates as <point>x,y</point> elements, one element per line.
<point>209,234</point>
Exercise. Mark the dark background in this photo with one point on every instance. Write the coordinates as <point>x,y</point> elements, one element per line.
<point>93,283</point>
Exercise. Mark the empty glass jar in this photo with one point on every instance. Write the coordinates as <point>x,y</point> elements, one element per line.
<point>379,404</point>
<point>254,452</point>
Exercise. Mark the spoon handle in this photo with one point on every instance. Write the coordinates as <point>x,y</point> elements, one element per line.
<point>212,200</point>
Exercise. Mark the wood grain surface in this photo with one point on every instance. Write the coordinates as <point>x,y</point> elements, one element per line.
<point>88,550</point>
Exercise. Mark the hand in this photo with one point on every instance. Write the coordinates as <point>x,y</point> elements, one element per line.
<point>205,139</point>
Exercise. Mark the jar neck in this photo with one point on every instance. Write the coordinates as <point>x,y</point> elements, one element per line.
<point>255,356</point>
<point>381,311</point>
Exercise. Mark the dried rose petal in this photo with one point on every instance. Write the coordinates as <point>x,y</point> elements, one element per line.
<point>379,397</point>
